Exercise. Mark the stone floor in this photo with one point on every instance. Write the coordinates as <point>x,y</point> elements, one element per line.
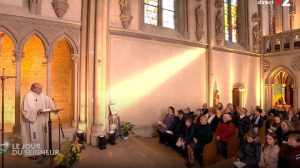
<point>135,152</point>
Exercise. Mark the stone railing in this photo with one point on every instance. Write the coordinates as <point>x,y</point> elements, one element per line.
<point>283,41</point>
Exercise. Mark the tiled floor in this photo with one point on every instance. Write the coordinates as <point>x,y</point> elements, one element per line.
<point>136,152</point>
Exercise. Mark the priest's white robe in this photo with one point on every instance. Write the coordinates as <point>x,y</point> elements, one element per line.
<point>34,126</point>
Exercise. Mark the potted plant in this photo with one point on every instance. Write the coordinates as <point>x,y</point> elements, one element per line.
<point>126,127</point>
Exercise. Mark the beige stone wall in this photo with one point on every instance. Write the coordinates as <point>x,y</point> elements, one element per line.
<point>234,70</point>
<point>7,62</point>
<point>145,77</point>
<point>20,8</point>
<point>62,82</point>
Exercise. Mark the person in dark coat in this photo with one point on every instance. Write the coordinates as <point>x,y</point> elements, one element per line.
<point>284,131</point>
<point>177,128</point>
<point>202,135</point>
<point>242,124</point>
<point>250,151</point>
<point>212,120</point>
<point>289,154</point>
<point>187,136</point>
<point>256,119</point>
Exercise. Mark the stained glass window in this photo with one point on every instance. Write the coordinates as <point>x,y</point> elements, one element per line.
<point>159,13</point>
<point>168,13</point>
<point>151,12</point>
<point>230,20</point>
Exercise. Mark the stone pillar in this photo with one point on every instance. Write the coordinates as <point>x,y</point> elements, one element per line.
<point>283,92</point>
<point>49,57</point>
<point>18,57</point>
<point>209,74</point>
<point>100,70</point>
<point>75,58</point>
<point>268,97</point>
<point>242,96</point>
<point>272,98</point>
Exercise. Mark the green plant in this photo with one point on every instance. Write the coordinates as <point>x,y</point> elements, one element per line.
<point>126,127</point>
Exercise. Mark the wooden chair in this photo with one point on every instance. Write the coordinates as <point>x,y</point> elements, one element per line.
<point>233,145</point>
<point>210,152</point>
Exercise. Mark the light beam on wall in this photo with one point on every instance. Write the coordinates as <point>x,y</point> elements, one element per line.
<point>130,90</point>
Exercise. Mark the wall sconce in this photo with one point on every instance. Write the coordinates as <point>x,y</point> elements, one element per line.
<point>102,142</point>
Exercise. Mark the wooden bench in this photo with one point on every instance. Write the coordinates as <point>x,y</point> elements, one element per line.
<point>233,145</point>
<point>262,133</point>
<point>210,152</point>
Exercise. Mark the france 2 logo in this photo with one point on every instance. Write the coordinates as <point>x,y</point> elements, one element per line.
<point>284,3</point>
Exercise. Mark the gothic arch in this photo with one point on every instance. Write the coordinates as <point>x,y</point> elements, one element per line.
<point>270,80</point>
<point>70,41</point>
<point>10,35</point>
<point>274,72</point>
<point>43,39</point>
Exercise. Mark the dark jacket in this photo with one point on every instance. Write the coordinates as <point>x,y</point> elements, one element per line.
<point>243,125</point>
<point>259,123</point>
<point>178,126</point>
<point>188,134</point>
<point>203,134</point>
<point>214,123</point>
<point>249,153</point>
<point>289,157</point>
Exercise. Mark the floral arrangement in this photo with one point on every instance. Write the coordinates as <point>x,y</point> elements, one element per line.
<point>126,127</point>
<point>70,156</point>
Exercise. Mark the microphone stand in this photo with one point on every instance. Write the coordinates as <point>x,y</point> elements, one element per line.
<point>3,78</point>
<point>59,129</point>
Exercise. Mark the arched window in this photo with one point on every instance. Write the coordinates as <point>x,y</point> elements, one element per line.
<point>160,13</point>
<point>230,16</point>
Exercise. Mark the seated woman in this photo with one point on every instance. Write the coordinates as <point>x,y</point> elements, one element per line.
<point>187,137</point>
<point>256,119</point>
<point>166,125</point>
<point>269,152</point>
<point>289,154</point>
<point>284,131</point>
<point>250,151</point>
<point>202,135</point>
<point>224,131</point>
<point>212,120</point>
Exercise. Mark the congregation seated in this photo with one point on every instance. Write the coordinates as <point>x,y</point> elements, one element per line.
<point>224,131</point>
<point>187,136</point>
<point>269,152</point>
<point>250,150</point>
<point>284,131</point>
<point>213,120</point>
<point>242,124</point>
<point>197,115</point>
<point>289,153</point>
<point>204,108</point>
<point>202,135</point>
<point>177,128</point>
<point>275,125</point>
<point>256,119</point>
<point>291,116</point>
<point>166,125</point>
<point>188,113</point>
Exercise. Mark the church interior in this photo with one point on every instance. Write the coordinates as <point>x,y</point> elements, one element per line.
<point>109,62</point>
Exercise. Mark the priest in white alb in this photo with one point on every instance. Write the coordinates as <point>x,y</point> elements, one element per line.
<point>34,122</point>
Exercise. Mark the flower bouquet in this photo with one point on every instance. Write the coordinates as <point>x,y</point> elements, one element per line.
<point>68,158</point>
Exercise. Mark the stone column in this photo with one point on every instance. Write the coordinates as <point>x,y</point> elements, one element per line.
<point>242,96</point>
<point>283,91</point>
<point>209,74</point>
<point>100,70</point>
<point>49,57</point>
<point>18,57</point>
<point>75,58</point>
<point>272,97</point>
